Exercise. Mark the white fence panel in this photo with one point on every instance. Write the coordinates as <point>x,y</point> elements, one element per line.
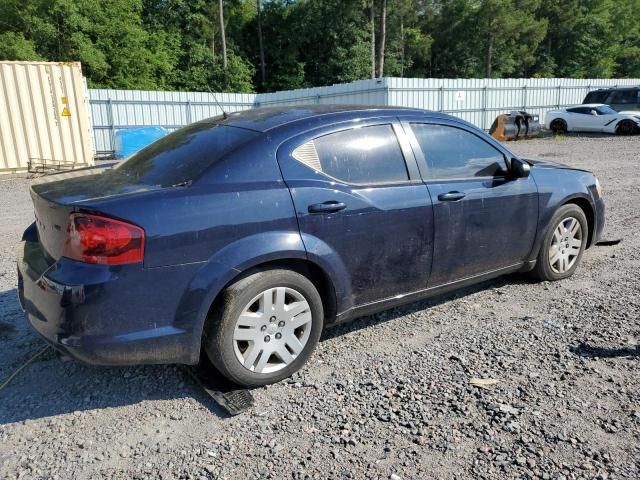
<point>361,92</point>
<point>478,101</point>
<point>112,110</point>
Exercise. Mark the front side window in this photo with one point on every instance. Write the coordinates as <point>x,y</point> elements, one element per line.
<point>365,155</point>
<point>581,110</point>
<point>605,110</point>
<point>455,153</point>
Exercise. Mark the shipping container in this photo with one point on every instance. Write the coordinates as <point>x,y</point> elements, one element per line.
<point>44,117</point>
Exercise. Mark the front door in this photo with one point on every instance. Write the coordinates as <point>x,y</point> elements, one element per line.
<point>484,219</point>
<point>362,207</point>
<point>584,119</point>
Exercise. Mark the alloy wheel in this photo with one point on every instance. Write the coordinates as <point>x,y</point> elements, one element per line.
<point>566,245</point>
<point>272,330</point>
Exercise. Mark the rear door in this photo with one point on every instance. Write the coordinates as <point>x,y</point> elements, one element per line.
<point>484,220</point>
<point>361,203</point>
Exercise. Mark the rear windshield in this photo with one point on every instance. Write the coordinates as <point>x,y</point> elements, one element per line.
<point>183,155</point>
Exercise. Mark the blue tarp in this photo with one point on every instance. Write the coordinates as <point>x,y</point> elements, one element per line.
<point>129,140</point>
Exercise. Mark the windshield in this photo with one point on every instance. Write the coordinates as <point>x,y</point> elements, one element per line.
<point>605,110</point>
<point>183,155</point>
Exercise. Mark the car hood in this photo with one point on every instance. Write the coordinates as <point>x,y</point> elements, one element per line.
<point>539,163</point>
<point>631,113</point>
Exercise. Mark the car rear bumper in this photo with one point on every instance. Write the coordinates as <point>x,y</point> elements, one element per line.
<point>105,315</point>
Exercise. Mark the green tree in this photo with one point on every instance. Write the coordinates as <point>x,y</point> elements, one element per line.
<point>330,36</point>
<point>453,23</point>
<point>106,36</point>
<point>408,50</point>
<point>179,44</point>
<point>625,50</point>
<point>13,46</point>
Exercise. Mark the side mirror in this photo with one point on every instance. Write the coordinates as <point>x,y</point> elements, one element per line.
<point>520,168</point>
<point>593,112</point>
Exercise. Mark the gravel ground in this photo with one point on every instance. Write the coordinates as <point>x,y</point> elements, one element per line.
<point>387,396</point>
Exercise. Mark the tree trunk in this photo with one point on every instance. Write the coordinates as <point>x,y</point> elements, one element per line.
<point>213,43</point>
<point>263,71</point>
<point>222,36</point>
<point>401,47</point>
<point>383,27</point>
<point>489,55</point>
<point>372,17</point>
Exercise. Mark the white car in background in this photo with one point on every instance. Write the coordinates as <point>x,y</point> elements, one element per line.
<point>593,117</point>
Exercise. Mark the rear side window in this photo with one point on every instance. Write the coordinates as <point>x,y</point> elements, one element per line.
<point>183,155</point>
<point>455,153</point>
<point>597,97</point>
<point>366,155</point>
<point>624,97</point>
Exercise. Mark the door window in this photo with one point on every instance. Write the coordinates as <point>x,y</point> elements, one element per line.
<point>455,153</point>
<point>605,110</point>
<point>366,155</point>
<point>624,97</point>
<point>581,110</point>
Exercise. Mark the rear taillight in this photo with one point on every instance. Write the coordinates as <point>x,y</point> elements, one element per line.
<point>95,239</point>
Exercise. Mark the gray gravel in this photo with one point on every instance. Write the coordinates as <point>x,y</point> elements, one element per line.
<point>385,397</point>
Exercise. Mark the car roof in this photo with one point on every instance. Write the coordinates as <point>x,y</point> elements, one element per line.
<point>609,89</point>
<point>266,118</point>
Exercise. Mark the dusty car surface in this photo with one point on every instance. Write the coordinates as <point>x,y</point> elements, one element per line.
<point>243,236</point>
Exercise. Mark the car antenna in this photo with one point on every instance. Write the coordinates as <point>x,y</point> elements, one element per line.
<point>225,115</point>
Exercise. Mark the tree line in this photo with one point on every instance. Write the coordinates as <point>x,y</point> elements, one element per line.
<point>267,45</point>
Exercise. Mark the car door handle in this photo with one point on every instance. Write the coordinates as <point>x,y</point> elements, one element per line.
<point>327,207</point>
<point>451,196</point>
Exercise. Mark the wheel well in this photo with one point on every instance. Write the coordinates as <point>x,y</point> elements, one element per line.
<point>586,207</point>
<point>624,123</point>
<point>313,272</point>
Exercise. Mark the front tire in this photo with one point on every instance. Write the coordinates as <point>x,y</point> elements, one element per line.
<point>564,243</point>
<point>626,127</point>
<point>266,328</point>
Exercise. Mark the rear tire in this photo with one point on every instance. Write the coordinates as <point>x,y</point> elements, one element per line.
<point>564,243</point>
<point>266,327</point>
<point>559,126</point>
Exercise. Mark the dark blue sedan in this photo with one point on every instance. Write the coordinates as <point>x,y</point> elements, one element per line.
<point>243,236</point>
